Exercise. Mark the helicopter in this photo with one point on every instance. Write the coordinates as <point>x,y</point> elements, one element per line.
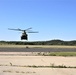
<point>24,35</point>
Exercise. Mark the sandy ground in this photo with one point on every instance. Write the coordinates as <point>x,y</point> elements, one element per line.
<point>7,68</point>
<point>38,60</point>
<point>36,71</point>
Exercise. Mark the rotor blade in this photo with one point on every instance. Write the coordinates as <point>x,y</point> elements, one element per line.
<point>28,29</point>
<point>15,29</point>
<point>32,32</point>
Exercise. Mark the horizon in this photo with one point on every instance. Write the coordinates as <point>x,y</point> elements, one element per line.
<point>37,41</point>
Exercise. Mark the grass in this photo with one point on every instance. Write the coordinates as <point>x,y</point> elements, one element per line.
<point>34,66</point>
<point>37,46</point>
<point>7,71</point>
<point>17,71</point>
<point>61,54</point>
<point>56,53</point>
<point>51,66</point>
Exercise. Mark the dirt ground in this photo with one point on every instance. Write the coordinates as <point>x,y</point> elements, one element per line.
<point>16,65</point>
<point>36,71</point>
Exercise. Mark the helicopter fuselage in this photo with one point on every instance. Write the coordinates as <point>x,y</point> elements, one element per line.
<point>24,36</point>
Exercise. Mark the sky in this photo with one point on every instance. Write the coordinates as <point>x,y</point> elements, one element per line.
<point>53,19</point>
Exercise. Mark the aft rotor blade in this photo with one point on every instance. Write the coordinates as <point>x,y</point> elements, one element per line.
<point>15,29</point>
<point>28,29</point>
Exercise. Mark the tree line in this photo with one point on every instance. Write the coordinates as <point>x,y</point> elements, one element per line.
<point>50,42</point>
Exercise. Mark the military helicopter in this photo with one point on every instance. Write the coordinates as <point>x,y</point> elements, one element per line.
<point>24,35</point>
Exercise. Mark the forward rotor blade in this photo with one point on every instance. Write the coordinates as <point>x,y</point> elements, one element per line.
<point>15,29</point>
<point>32,32</point>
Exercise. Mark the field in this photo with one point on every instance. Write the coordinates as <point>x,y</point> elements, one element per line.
<point>38,46</point>
<point>37,63</point>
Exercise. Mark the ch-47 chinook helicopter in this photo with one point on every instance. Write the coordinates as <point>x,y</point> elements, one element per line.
<point>24,35</point>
